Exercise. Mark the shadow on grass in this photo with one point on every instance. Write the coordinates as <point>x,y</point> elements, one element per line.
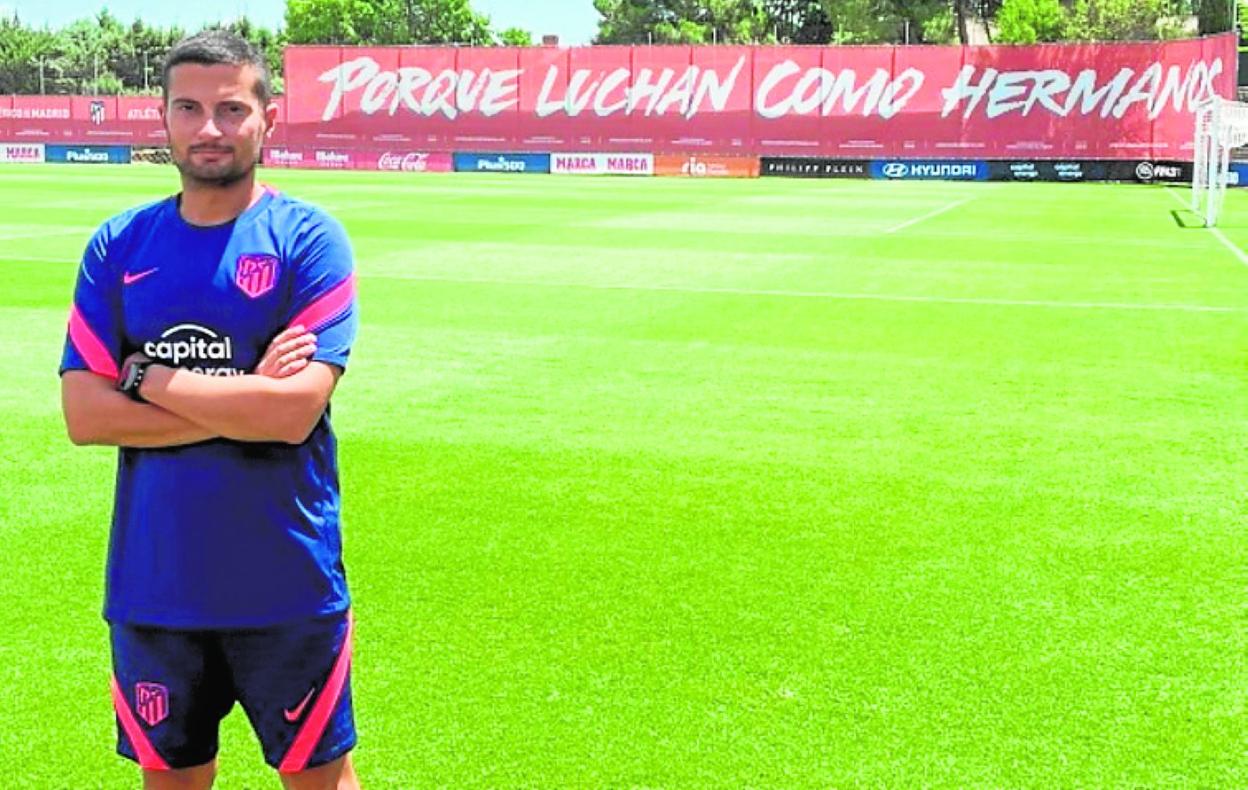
<point>1187,219</point>
<point>1190,220</point>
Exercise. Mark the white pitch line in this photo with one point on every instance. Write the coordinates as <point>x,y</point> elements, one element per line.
<point>1220,236</point>
<point>1217,233</point>
<point>929,215</point>
<point>42,234</point>
<point>837,295</point>
<point>65,261</point>
<point>831,295</point>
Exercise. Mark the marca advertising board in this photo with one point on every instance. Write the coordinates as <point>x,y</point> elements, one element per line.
<point>623,164</point>
<point>21,153</point>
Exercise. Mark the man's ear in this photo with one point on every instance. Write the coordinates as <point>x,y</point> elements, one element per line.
<point>270,118</point>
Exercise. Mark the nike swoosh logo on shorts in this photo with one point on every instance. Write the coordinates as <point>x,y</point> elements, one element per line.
<point>131,279</point>
<point>292,716</point>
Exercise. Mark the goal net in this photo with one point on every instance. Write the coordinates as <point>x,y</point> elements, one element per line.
<point>1221,126</point>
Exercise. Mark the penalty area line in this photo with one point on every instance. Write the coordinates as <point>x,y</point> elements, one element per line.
<point>929,215</point>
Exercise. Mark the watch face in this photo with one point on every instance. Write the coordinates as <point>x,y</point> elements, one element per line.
<point>130,376</point>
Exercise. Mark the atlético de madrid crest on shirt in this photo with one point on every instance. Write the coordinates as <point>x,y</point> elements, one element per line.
<point>256,275</point>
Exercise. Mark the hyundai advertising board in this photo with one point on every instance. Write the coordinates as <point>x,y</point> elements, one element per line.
<point>930,170</point>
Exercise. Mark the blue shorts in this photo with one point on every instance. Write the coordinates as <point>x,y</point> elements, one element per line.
<point>172,688</point>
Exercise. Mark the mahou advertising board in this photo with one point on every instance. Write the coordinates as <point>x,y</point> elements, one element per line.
<point>1111,101</point>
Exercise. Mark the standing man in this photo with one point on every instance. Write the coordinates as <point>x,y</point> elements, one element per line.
<point>207,334</point>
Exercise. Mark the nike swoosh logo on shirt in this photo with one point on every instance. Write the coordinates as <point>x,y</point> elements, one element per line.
<point>292,716</point>
<point>131,279</point>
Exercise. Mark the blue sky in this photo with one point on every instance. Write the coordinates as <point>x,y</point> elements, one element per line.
<point>575,21</point>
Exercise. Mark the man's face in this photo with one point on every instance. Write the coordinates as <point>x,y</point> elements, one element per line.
<point>216,124</point>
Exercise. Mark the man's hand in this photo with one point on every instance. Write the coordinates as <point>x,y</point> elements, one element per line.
<point>137,356</point>
<point>288,354</point>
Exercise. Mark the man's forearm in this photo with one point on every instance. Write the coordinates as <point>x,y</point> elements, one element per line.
<point>107,417</point>
<point>246,408</point>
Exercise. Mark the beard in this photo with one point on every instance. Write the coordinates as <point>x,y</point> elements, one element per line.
<point>219,175</point>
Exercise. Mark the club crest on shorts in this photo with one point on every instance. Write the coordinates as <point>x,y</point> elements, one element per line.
<point>151,702</point>
<point>255,275</point>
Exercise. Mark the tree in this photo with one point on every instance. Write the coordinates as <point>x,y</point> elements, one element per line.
<point>1214,16</point>
<point>798,21</point>
<point>99,54</point>
<point>445,22</point>
<point>895,21</point>
<point>1029,21</point>
<point>333,22</point>
<point>515,37</point>
<point>87,51</point>
<point>682,22</point>
<point>385,22</point>
<point>1123,20</point>
<point>267,42</point>
<point>21,51</point>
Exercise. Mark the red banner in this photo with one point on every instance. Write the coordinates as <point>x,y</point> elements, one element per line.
<point>98,120</point>
<point>1086,101</point>
<point>1129,101</point>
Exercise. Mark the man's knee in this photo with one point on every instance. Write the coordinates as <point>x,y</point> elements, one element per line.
<point>336,775</point>
<point>199,777</point>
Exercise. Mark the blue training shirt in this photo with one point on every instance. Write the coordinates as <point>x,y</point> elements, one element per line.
<point>220,534</point>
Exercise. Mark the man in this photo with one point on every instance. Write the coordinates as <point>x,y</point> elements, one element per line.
<point>207,334</point>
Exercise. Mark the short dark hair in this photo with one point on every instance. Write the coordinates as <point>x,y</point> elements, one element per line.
<point>213,47</point>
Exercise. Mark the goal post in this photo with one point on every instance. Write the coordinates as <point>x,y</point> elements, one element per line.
<point>1221,125</point>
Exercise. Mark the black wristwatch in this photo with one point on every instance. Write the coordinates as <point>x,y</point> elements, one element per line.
<point>131,377</point>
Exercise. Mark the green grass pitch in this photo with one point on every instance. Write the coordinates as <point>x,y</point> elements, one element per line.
<point>684,484</point>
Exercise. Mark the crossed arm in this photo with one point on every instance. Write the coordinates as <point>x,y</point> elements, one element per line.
<point>280,402</point>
